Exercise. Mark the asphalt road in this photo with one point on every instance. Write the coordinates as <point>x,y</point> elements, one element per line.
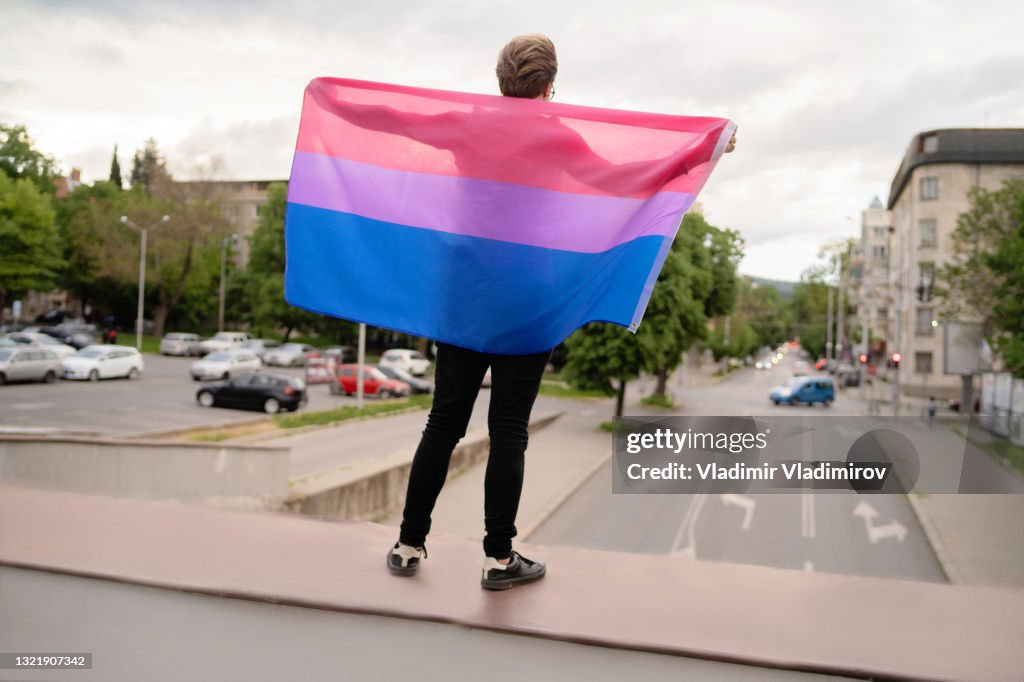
<point>804,531</point>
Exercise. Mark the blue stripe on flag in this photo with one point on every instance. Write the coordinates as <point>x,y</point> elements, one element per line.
<point>498,297</point>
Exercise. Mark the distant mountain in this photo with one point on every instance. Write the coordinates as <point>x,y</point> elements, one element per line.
<point>784,288</point>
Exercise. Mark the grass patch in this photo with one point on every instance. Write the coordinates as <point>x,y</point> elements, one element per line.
<point>562,390</point>
<point>294,421</point>
<point>150,344</point>
<point>657,400</point>
<point>623,427</point>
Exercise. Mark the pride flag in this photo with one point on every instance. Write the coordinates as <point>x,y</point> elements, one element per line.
<point>498,224</point>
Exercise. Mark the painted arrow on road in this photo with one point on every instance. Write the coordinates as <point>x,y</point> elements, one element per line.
<point>893,529</point>
<point>742,501</point>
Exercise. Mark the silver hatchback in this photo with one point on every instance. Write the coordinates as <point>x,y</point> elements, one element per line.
<point>28,364</point>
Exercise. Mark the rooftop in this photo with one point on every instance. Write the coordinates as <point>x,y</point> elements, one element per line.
<point>958,145</point>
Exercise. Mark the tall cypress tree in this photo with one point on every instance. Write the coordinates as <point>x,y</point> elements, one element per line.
<point>115,171</point>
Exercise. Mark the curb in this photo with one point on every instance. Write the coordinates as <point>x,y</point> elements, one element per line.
<point>535,523</point>
<point>935,540</point>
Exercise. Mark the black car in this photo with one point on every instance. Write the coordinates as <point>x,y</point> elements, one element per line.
<point>265,391</point>
<point>415,384</point>
<point>76,336</point>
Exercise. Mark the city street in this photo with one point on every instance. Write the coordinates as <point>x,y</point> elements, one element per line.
<point>803,531</point>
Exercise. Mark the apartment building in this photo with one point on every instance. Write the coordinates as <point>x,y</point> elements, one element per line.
<point>869,289</point>
<point>241,202</point>
<point>928,194</point>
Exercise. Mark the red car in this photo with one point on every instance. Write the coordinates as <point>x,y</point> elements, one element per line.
<point>374,382</point>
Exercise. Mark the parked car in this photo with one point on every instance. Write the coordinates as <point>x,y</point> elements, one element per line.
<point>223,341</point>
<point>78,336</point>
<point>255,390</point>
<point>344,354</point>
<point>40,340</point>
<point>177,343</point>
<point>104,362</point>
<point>23,363</point>
<point>415,384</point>
<point>374,382</point>
<point>261,346</point>
<point>412,361</point>
<point>807,390</point>
<point>289,355</point>
<point>224,364</point>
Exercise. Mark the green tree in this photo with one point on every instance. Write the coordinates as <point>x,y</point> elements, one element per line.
<point>270,311</point>
<point>20,159</point>
<point>149,170</point>
<point>604,357</point>
<point>115,171</point>
<point>984,280</point>
<point>29,248</point>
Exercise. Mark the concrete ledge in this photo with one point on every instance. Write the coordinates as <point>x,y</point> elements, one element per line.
<point>791,620</point>
<point>373,488</point>
<point>224,475</point>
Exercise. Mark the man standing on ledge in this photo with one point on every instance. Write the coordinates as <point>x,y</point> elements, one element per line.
<point>527,66</point>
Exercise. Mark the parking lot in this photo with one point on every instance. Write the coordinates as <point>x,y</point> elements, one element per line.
<point>163,398</point>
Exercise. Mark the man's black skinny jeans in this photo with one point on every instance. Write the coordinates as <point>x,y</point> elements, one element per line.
<point>515,380</point>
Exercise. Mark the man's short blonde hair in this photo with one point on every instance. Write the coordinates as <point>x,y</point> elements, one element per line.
<point>526,65</point>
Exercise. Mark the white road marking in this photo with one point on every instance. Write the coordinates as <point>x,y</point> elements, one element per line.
<point>893,529</point>
<point>808,529</point>
<point>686,528</point>
<point>31,406</point>
<point>744,502</point>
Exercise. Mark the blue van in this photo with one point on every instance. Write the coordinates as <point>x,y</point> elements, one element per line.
<point>806,390</point>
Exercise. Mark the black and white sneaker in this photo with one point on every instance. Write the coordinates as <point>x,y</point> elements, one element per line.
<point>405,559</point>
<point>518,571</point>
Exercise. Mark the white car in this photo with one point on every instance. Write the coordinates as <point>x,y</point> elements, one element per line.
<point>39,340</point>
<point>288,355</point>
<point>104,362</point>
<point>412,361</point>
<point>223,341</point>
<point>180,344</point>
<point>25,363</point>
<point>223,364</point>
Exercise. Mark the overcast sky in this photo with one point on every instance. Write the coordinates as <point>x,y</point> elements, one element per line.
<point>826,94</point>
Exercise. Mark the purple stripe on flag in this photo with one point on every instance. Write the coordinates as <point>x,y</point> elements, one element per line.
<point>482,208</point>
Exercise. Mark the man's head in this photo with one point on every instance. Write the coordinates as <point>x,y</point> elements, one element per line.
<point>527,66</point>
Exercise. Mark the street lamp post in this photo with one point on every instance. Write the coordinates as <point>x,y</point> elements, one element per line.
<point>233,238</point>
<point>142,271</point>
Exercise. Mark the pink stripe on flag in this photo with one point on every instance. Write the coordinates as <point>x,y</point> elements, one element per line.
<point>561,147</point>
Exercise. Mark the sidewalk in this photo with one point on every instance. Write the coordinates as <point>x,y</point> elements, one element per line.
<point>977,538</point>
<point>558,460</point>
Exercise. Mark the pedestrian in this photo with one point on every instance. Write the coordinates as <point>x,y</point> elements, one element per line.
<point>933,407</point>
<point>112,336</point>
<point>526,68</point>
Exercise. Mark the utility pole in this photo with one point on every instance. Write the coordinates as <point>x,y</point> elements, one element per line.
<point>828,329</point>
<point>142,272</point>
<point>233,239</point>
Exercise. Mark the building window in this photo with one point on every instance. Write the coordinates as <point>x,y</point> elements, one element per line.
<point>930,188</point>
<point>257,210</point>
<point>928,229</point>
<point>930,144</point>
<point>880,251</point>
<point>924,322</point>
<point>879,233</point>
<point>923,363</point>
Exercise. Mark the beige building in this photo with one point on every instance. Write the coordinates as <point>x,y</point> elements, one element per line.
<point>869,289</point>
<point>241,202</point>
<point>928,194</point>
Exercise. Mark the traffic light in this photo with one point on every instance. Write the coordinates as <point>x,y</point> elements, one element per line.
<point>896,357</point>
<point>863,359</point>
